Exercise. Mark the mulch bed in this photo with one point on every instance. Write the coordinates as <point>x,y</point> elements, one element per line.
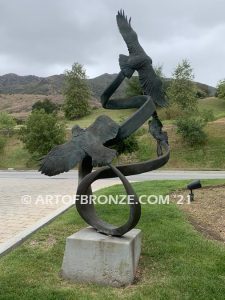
<point>207,211</point>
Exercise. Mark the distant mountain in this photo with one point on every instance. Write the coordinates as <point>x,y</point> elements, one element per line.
<point>52,85</point>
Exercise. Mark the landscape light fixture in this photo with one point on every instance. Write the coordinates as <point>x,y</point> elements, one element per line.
<point>193,186</point>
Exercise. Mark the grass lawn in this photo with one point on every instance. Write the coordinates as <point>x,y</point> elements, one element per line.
<point>177,262</point>
<point>215,104</point>
<point>208,156</point>
<point>14,154</point>
<point>116,115</point>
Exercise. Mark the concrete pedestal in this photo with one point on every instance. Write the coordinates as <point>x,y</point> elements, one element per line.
<point>93,257</point>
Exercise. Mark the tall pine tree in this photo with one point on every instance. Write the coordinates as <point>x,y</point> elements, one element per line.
<point>76,92</point>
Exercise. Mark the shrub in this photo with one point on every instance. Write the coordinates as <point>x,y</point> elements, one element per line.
<point>7,124</point>
<point>41,132</point>
<point>19,121</point>
<point>127,145</point>
<point>201,94</point>
<point>2,143</point>
<point>207,115</point>
<point>191,130</point>
<point>47,105</point>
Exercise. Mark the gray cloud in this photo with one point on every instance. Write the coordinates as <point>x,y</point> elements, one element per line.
<point>46,37</point>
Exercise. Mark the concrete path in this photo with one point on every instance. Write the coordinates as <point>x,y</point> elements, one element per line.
<point>27,202</point>
<point>28,199</point>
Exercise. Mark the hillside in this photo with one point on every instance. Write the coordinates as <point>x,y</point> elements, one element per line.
<point>19,93</point>
<point>52,85</point>
<point>20,105</point>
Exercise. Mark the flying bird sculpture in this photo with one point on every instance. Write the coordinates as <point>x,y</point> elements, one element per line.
<point>90,147</point>
<point>139,61</point>
<point>84,142</point>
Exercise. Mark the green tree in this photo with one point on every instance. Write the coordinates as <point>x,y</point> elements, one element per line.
<point>48,106</point>
<point>182,91</point>
<point>76,92</point>
<point>220,90</point>
<point>41,132</point>
<point>7,124</point>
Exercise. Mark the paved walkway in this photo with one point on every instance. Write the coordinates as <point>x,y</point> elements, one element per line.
<point>26,204</point>
<point>29,199</point>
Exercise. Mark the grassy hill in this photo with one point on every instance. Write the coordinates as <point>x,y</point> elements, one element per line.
<point>209,156</point>
<point>20,105</point>
<point>19,93</point>
<point>215,104</point>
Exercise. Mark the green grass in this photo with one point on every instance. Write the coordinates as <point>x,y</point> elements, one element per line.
<point>215,104</point>
<point>14,155</point>
<point>177,262</point>
<point>209,156</point>
<point>116,115</point>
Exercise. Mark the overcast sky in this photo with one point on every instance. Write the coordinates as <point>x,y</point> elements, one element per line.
<point>46,37</point>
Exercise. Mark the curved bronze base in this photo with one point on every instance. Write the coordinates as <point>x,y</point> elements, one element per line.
<point>87,209</point>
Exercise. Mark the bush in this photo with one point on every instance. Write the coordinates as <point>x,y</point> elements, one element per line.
<point>201,94</point>
<point>207,115</point>
<point>191,130</point>
<point>127,145</point>
<point>7,124</point>
<point>47,105</point>
<point>2,143</point>
<point>41,132</point>
<point>19,121</point>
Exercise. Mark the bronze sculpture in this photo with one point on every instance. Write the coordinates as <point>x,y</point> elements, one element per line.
<point>86,146</point>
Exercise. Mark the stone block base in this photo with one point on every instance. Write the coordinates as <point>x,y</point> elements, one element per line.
<point>93,257</point>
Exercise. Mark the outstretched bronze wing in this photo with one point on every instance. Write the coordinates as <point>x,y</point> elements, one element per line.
<point>128,34</point>
<point>84,142</point>
<point>62,158</point>
<point>105,128</point>
<point>101,131</point>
